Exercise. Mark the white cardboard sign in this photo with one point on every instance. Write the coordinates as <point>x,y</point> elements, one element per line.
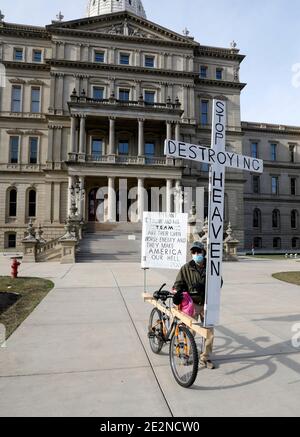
<point>164,240</point>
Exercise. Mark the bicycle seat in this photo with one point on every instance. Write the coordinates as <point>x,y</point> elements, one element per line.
<point>162,295</point>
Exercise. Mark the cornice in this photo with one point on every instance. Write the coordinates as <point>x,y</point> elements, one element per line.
<point>219,52</point>
<point>115,67</point>
<point>26,66</point>
<point>24,31</point>
<point>92,34</point>
<point>271,128</point>
<point>220,83</point>
<point>108,18</point>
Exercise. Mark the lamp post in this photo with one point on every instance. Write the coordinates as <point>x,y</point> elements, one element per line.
<point>77,194</point>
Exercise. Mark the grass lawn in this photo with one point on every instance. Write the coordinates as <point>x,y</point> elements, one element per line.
<point>290,277</point>
<point>32,291</point>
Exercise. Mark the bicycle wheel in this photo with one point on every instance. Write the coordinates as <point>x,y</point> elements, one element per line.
<point>184,356</point>
<point>155,331</point>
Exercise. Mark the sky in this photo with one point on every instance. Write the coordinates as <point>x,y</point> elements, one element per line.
<point>267,32</point>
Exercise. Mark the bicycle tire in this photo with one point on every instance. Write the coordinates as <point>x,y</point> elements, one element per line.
<point>184,359</point>
<point>155,331</point>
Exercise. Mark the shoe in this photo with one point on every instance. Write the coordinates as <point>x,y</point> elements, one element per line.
<point>207,364</point>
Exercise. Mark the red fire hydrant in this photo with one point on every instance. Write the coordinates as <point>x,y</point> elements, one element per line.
<point>14,268</point>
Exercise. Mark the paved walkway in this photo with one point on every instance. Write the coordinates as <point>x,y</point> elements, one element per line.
<point>84,351</point>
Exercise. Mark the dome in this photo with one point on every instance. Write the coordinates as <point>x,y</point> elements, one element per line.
<point>102,7</point>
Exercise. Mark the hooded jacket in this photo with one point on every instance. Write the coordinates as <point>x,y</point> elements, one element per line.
<point>195,278</point>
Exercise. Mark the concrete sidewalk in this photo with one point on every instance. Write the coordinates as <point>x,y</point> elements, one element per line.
<point>84,351</point>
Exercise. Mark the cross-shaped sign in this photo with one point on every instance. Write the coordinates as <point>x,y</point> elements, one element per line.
<point>219,159</point>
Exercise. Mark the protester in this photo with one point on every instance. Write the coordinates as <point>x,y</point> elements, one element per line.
<point>192,278</point>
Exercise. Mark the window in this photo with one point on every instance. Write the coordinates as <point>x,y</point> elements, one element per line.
<point>37,56</point>
<point>11,241</point>
<point>254,150</point>
<point>124,95</point>
<point>14,150</point>
<point>277,243</point>
<point>16,98</point>
<point>97,146</point>
<point>204,112</point>
<point>32,203</point>
<point>256,184</point>
<point>294,219</point>
<point>203,72</point>
<point>149,151</point>
<point>123,148</point>
<point>124,59</point>
<point>98,93</point>
<point>293,186</point>
<point>257,243</point>
<point>33,150</point>
<point>99,56</point>
<point>292,149</point>
<point>18,54</point>
<point>274,152</point>
<point>12,203</point>
<point>150,97</point>
<point>275,185</point>
<point>35,100</point>
<point>149,61</point>
<point>276,219</point>
<point>257,218</point>
<point>295,243</point>
<point>219,74</point>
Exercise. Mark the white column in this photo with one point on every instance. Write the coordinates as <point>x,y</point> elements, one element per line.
<point>56,202</point>
<point>111,200</point>
<point>70,184</point>
<point>82,136</point>
<point>112,137</point>
<point>81,206</point>
<point>178,197</point>
<point>169,130</point>
<point>141,138</point>
<point>169,195</point>
<point>73,135</point>
<point>141,199</point>
<point>177,131</point>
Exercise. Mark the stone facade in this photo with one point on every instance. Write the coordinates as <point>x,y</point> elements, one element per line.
<point>272,201</point>
<point>94,99</point>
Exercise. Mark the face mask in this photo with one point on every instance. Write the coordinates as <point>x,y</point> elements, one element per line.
<point>198,259</point>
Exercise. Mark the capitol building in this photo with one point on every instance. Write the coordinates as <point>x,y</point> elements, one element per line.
<point>88,103</point>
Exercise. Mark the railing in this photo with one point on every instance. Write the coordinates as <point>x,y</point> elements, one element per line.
<point>127,103</point>
<point>48,251</point>
<point>129,160</point>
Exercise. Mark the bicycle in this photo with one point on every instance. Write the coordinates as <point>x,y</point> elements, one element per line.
<point>183,351</point>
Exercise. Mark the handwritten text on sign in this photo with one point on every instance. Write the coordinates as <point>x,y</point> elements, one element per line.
<point>164,240</point>
<point>210,156</point>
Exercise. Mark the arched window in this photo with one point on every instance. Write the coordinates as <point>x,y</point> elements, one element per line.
<point>276,219</point>
<point>295,243</point>
<point>294,219</point>
<point>257,243</point>
<point>12,209</point>
<point>32,203</point>
<point>257,218</point>
<point>277,243</point>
